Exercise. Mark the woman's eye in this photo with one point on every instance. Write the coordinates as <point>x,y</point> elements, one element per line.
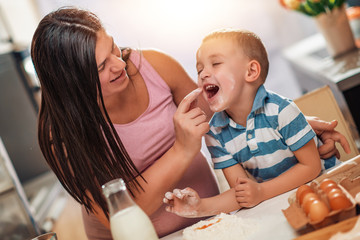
<point>102,67</point>
<point>117,52</point>
<point>199,71</point>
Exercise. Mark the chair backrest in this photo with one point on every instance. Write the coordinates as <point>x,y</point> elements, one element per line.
<point>321,103</point>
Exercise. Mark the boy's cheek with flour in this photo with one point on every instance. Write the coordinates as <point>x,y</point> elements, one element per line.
<point>221,100</point>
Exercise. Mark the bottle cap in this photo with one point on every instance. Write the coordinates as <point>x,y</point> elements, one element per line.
<point>113,186</point>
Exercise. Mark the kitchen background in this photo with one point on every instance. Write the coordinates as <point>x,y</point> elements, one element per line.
<point>177,27</point>
<point>174,27</point>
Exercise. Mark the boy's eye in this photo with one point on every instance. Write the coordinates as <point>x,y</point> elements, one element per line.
<point>216,63</point>
<point>199,71</point>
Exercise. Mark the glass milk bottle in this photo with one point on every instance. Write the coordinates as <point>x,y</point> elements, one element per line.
<point>127,219</point>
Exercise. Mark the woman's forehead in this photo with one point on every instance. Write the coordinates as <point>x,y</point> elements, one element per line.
<point>104,43</point>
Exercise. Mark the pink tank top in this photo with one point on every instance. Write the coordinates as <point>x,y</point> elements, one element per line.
<point>148,137</point>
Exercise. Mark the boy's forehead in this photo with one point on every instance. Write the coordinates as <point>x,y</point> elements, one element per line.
<point>214,45</point>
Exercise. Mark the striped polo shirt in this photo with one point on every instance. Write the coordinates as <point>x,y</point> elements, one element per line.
<point>274,129</point>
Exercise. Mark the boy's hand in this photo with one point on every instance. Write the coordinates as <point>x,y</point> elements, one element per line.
<point>185,202</point>
<point>248,192</point>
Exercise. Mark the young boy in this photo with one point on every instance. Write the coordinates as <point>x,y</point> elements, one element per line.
<point>252,129</point>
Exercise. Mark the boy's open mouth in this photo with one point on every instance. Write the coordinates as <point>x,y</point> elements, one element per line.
<point>211,90</point>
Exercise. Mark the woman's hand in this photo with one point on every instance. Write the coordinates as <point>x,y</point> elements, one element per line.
<point>190,124</point>
<point>248,192</point>
<point>185,202</point>
<point>329,136</point>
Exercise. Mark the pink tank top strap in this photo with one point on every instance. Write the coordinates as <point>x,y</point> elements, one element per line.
<point>149,74</point>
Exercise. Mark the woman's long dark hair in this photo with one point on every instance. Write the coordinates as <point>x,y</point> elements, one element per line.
<point>75,133</point>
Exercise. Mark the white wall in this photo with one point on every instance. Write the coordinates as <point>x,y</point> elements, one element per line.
<point>21,18</point>
<point>177,27</point>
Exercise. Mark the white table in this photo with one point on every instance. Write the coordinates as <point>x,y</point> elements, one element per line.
<point>272,223</point>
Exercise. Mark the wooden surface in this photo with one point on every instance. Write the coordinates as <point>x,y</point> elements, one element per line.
<point>321,103</point>
<point>69,225</point>
<point>327,232</point>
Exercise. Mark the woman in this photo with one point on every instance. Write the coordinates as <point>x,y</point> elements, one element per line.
<point>108,113</point>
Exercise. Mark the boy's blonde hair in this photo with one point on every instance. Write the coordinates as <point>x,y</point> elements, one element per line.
<point>250,43</point>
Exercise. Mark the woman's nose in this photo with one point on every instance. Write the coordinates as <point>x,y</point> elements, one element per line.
<point>117,64</point>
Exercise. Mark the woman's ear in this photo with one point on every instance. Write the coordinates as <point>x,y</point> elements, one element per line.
<point>253,71</point>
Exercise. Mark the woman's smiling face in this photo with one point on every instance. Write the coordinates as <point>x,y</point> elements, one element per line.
<point>111,67</point>
<point>221,66</point>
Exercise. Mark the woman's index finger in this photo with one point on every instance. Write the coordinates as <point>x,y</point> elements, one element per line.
<point>185,104</point>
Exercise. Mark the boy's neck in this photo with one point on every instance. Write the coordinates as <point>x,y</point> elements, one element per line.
<point>240,117</point>
<point>239,112</point>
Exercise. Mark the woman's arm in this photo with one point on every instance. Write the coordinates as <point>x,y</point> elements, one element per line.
<point>164,174</point>
<point>187,202</point>
<point>190,126</point>
<point>175,76</point>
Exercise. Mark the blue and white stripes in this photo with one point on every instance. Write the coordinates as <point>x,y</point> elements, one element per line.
<point>274,129</point>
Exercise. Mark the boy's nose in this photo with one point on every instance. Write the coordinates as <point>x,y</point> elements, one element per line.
<point>204,74</point>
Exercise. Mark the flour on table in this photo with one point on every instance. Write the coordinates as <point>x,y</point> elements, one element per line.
<point>223,226</point>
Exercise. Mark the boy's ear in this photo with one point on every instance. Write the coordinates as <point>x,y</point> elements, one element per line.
<point>253,71</point>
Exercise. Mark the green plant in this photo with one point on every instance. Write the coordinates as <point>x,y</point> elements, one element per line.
<point>311,7</point>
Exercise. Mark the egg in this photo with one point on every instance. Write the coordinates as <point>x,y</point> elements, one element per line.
<point>309,196</point>
<point>318,211</point>
<point>326,181</point>
<point>339,201</point>
<point>302,191</point>
<point>308,200</point>
<point>327,184</point>
<point>333,191</point>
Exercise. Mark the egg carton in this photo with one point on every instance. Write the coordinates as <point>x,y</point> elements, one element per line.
<point>347,177</point>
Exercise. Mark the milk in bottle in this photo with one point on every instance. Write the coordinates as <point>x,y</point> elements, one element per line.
<point>127,219</point>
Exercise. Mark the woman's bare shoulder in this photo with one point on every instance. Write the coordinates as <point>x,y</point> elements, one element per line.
<point>172,72</point>
<point>158,58</point>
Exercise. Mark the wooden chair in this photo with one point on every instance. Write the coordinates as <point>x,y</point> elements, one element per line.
<point>321,103</point>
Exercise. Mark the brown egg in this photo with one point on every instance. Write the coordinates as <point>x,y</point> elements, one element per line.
<point>330,188</point>
<point>309,196</point>
<point>318,211</point>
<point>339,201</point>
<point>326,181</point>
<point>308,200</point>
<point>302,191</point>
<point>327,184</point>
<point>333,191</point>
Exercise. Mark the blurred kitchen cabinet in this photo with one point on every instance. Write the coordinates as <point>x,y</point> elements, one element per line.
<point>18,130</point>
<point>18,121</point>
<point>16,219</point>
<point>314,68</point>
<point>19,106</point>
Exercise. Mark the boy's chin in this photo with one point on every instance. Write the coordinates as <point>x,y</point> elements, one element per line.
<point>217,108</point>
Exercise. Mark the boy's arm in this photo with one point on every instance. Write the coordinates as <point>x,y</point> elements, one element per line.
<point>187,203</point>
<point>249,193</point>
<point>233,173</point>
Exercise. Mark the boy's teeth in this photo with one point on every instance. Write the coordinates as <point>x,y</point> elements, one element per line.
<point>209,87</point>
